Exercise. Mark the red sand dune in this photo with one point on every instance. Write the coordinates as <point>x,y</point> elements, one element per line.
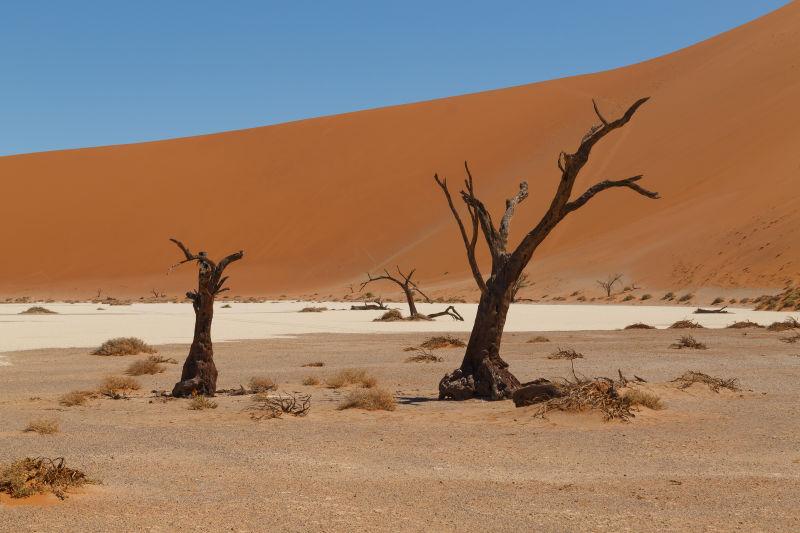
<point>316,203</point>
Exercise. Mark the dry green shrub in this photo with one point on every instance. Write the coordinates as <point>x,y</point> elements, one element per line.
<point>686,324</point>
<point>538,338</point>
<point>316,364</point>
<point>261,384</point>
<point>276,405</point>
<point>423,356</point>
<point>375,399</point>
<point>145,366</point>
<point>446,341</point>
<point>742,324</point>
<point>124,346</point>
<point>715,384</point>
<point>636,397</point>
<point>311,380</point>
<point>687,341</point>
<point>640,325</point>
<point>565,353</point>
<point>392,315</point>
<point>200,403</point>
<point>790,323</point>
<point>76,397</point>
<point>39,475</point>
<point>313,309</point>
<point>42,426</point>
<point>351,376</point>
<point>117,386</point>
<point>37,310</point>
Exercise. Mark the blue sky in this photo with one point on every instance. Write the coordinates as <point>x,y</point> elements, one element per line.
<point>86,73</point>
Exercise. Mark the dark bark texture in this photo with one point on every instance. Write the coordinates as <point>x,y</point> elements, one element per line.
<point>483,373</point>
<point>199,375</point>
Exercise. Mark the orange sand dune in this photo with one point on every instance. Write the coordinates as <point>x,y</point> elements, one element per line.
<point>316,203</point>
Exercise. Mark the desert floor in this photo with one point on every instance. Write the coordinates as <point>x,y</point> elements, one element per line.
<point>707,462</point>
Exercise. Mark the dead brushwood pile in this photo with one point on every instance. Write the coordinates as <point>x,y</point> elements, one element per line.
<point>580,395</point>
<point>715,384</point>
<point>40,475</point>
<point>266,406</point>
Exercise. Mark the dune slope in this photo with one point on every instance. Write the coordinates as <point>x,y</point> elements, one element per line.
<point>316,203</point>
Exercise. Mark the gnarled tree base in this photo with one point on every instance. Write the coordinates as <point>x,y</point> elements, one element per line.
<point>491,381</point>
<point>203,383</point>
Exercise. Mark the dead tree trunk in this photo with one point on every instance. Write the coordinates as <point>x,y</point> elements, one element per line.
<point>483,373</point>
<point>406,283</point>
<point>199,375</point>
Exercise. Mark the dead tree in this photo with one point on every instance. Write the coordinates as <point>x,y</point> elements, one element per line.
<point>608,284</point>
<point>406,283</point>
<point>199,375</point>
<point>483,373</point>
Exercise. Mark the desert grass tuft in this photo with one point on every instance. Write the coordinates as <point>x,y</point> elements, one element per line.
<point>200,403</point>
<point>310,380</point>
<point>715,384</point>
<point>116,386</point>
<point>687,341</point>
<point>76,397</point>
<point>145,366</point>
<point>42,426</point>
<point>446,341</point>
<point>636,397</point>
<point>423,356</point>
<point>261,384</point>
<point>785,325</point>
<point>742,324</point>
<point>375,399</point>
<point>640,325</point>
<point>38,310</point>
<point>124,346</point>
<point>315,364</point>
<point>392,315</point>
<point>351,376</point>
<point>39,475</point>
<point>686,324</point>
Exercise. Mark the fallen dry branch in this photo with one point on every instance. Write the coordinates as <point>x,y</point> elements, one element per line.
<point>701,311</point>
<point>40,475</point>
<point>276,405</point>
<point>450,311</point>
<point>715,384</point>
<point>687,341</point>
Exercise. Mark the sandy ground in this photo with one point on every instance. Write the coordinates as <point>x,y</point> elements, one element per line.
<point>708,462</point>
<point>84,325</point>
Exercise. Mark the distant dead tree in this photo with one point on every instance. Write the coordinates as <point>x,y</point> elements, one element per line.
<point>521,283</point>
<point>483,373</point>
<point>610,281</point>
<point>406,282</point>
<point>199,375</point>
<point>157,293</point>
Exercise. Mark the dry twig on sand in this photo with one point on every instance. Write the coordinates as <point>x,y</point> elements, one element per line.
<point>275,405</point>
<point>715,384</point>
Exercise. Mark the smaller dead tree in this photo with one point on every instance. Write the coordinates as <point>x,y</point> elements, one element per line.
<point>406,282</point>
<point>610,281</point>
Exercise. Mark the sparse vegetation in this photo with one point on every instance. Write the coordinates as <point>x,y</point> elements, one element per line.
<point>37,310</point>
<point>201,403</point>
<point>40,475</point>
<point>76,397</point>
<point>687,341</point>
<point>717,300</point>
<point>276,405</point>
<point>715,384</point>
<point>786,325</point>
<point>538,338</point>
<point>640,325</point>
<point>447,341</point>
<point>351,376</point>
<point>423,355</point>
<point>392,315</point>
<point>124,346</point>
<point>646,297</point>
<point>686,298</point>
<point>314,364</point>
<point>668,296</point>
<point>311,380</point>
<point>117,386</point>
<point>743,324</point>
<point>583,395</point>
<point>686,324</point>
<point>565,353</point>
<point>628,298</point>
<point>788,299</point>
<point>636,397</point>
<point>261,384</point>
<point>313,309</point>
<point>145,366</point>
<point>42,426</point>
<point>374,399</point>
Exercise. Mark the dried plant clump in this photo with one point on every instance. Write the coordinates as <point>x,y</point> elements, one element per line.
<point>686,324</point>
<point>276,405</point>
<point>715,384</point>
<point>161,359</point>
<point>226,306</point>
<point>687,341</point>
<point>351,376</point>
<point>313,309</point>
<point>637,397</point>
<point>565,353</point>
<point>717,300</point>
<point>37,310</point>
<point>446,341</point>
<point>311,381</point>
<point>538,338</point>
<point>42,426</point>
<point>792,339</point>
<point>40,475</point>
<point>375,399</point>
<point>124,346</point>
<point>145,366</point>
<point>261,384</point>
<point>668,296</point>
<point>76,397</point>
<point>201,403</point>
<point>790,323</point>
<point>742,324</point>
<point>584,395</point>
<point>686,297</point>
<point>646,297</point>
<point>423,356</point>
<point>315,364</point>
<point>640,325</point>
<point>116,387</point>
<point>392,315</point>
<point>788,299</point>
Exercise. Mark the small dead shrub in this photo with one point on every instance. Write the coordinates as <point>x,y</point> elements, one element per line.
<point>116,387</point>
<point>40,475</point>
<point>789,323</point>
<point>446,341</point>
<point>668,296</point>
<point>145,366</point>
<point>686,297</point>
<point>261,384</point>
<point>687,341</point>
<point>37,310</point>
<point>646,297</point>
<point>565,353</point>
<point>351,376</point>
<point>201,403</point>
<point>124,346</point>
<point>686,324</point>
<point>628,298</point>
<point>76,397</point>
<point>313,309</point>
<point>715,384</point>
<point>316,364</point>
<point>717,300</point>
<point>311,380</point>
<point>742,324</point>
<point>640,325</point>
<point>636,397</point>
<point>161,359</point>
<point>584,395</point>
<point>423,356</point>
<point>42,426</point>
<point>375,399</point>
<point>392,315</point>
<point>538,338</point>
<point>276,405</point>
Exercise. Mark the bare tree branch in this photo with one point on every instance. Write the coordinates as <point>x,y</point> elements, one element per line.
<point>511,204</point>
<point>608,184</point>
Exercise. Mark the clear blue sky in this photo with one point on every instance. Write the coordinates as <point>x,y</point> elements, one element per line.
<point>77,73</point>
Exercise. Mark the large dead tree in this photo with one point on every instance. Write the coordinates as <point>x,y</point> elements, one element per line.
<point>483,373</point>
<point>199,375</point>
<point>406,282</point>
